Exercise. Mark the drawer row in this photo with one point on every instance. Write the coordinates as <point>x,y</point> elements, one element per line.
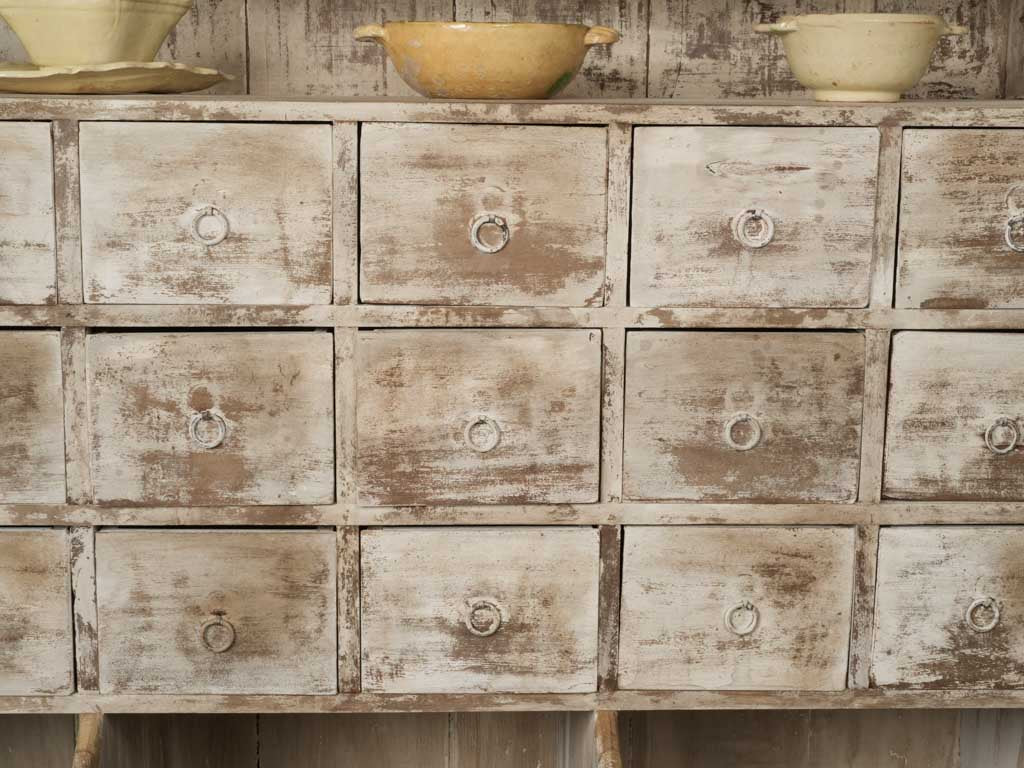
<point>512,215</point>
<point>510,417</point>
<point>456,610</point>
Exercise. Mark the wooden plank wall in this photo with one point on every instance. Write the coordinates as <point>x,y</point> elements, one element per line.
<point>670,48</point>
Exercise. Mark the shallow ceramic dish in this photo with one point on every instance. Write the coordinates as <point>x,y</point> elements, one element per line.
<point>118,78</point>
<point>486,60</point>
<point>860,56</point>
<point>67,33</point>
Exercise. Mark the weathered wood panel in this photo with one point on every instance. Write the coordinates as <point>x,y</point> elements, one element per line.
<point>806,195</point>
<point>961,215</point>
<point>956,417</point>
<point>474,610</point>
<point>36,655</point>
<point>37,741</point>
<point>749,417</point>
<point>27,242</point>
<point>510,740</point>
<point>946,608</point>
<point>206,213</point>
<point>198,611</point>
<point>425,188</point>
<point>736,608</point>
<point>492,417</point>
<point>83,590</point>
<point>212,34</point>
<point>31,418</point>
<point>991,738</point>
<point>212,418</point>
<point>179,741</point>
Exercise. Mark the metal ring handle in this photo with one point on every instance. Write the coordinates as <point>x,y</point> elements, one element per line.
<point>484,616</point>
<point>1003,422</point>
<point>208,417</point>
<point>748,626</point>
<point>217,634</point>
<point>982,602</point>
<point>210,212</point>
<point>755,432</point>
<point>479,223</point>
<point>765,228</point>
<point>1017,220</point>
<point>482,434</point>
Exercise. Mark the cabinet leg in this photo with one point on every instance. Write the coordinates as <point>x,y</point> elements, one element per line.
<point>88,741</point>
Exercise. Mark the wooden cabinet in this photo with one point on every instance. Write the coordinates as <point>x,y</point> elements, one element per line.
<point>212,418</point>
<point>483,214</point>
<point>474,610</point>
<point>948,611</point>
<point>193,611</point>
<point>493,417</point>
<point>961,219</point>
<point>765,417</point>
<point>735,607</point>
<point>28,273</point>
<point>31,418</point>
<point>193,213</point>
<point>752,217</point>
<point>956,417</point>
<point>36,646</point>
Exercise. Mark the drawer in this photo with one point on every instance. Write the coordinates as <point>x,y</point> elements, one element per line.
<point>961,220</point>
<point>753,217</point>
<point>28,267</point>
<point>949,608</point>
<point>483,214</point>
<point>212,418</point>
<point>189,213</point>
<point>463,610</point>
<point>736,608</point>
<point>31,418</point>
<point>491,417</point>
<point>36,650</point>
<point>217,611</point>
<point>721,416</point>
<point>955,426</point>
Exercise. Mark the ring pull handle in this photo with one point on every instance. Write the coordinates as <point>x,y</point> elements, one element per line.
<point>489,219</point>
<point>742,618</point>
<point>219,235</point>
<point>482,434</point>
<point>971,614</point>
<point>752,424</point>
<point>484,616</point>
<point>217,633</point>
<point>1014,228</point>
<point>1011,432</point>
<point>208,429</point>
<point>753,228</point>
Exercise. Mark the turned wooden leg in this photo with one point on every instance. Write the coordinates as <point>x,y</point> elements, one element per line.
<point>609,754</point>
<point>87,743</point>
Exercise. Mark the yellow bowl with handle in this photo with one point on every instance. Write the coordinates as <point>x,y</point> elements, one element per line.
<point>486,60</point>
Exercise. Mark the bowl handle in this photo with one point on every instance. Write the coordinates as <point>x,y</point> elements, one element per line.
<point>369,33</point>
<point>954,29</point>
<point>778,28</point>
<point>600,36</point>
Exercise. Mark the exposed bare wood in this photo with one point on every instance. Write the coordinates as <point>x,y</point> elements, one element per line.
<point>508,740</point>
<point>863,612</point>
<point>73,515</point>
<point>349,585</point>
<point>613,376</point>
<point>877,346</point>
<point>67,213</point>
<point>180,741</point>
<point>345,396</point>
<point>78,468</point>
<point>88,741</point>
<point>991,738</point>
<point>608,608</point>
<point>1014,54</point>
<point>346,213</point>
<point>609,749</point>
<point>620,184</point>
<point>83,590</point>
<point>883,261</point>
<point>212,34</point>
<point>39,741</point>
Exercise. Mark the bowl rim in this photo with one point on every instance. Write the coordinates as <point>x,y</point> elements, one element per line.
<point>828,19</point>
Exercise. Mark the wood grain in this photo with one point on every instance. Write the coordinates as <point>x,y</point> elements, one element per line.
<point>67,191</point>
<point>620,185</point>
<point>422,588</point>
<point>212,34</point>
<point>991,739</point>
<point>509,740</point>
<point>180,741</point>
<point>38,741</point>
<point>345,219</point>
<point>349,584</point>
<point>83,591</point>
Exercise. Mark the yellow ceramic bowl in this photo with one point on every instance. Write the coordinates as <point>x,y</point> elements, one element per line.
<point>59,33</point>
<point>486,60</point>
<point>860,56</point>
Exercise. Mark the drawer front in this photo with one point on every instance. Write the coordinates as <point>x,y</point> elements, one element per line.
<point>480,610</point>
<point>956,417</point>
<point>716,416</point>
<point>483,214</point>
<point>212,418</point>
<point>949,608</point>
<point>184,611</point>
<point>492,417</point>
<point>736,608</point>
<point>961,220</point>
<point>31,418</point>
<point>36,651</point>
<point>753,217</point>
<point>206,214</point>
<point>28,271</point>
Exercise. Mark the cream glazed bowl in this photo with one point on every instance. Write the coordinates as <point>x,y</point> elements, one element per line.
<point>59,33</point>
<point>860,56</point>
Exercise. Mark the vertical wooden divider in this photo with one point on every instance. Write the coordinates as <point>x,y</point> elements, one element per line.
<point>620,169</point>
<point>346,213</point>
<point>85,613</point>
<point>67,212</point>
<point>887,201</point>
<point>349,648</point>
